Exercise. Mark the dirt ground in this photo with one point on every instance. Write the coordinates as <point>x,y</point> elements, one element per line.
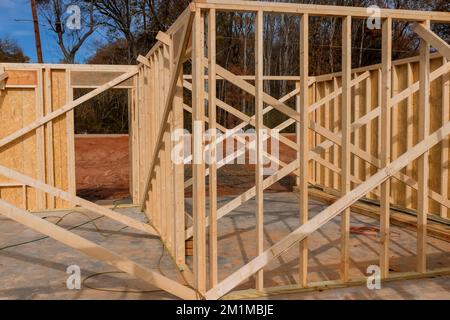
<point>102,167</point>
<point>102,170</point>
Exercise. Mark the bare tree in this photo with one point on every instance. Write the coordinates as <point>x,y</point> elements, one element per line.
<point>70,39</point>
<point>120,18</point>
<point>11,52</point>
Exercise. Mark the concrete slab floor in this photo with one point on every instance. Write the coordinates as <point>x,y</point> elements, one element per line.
<point>37,270</point>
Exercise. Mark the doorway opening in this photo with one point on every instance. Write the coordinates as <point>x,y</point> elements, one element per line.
<point>102,149</point>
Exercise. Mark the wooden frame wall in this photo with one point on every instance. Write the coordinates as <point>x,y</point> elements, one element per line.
<point>32,91</point>
<point>160,182</point>
<point>404,104</point>
<point>361,100</point>
<point>46,122</point>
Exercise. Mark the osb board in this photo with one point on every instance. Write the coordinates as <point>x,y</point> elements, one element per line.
<point>89,79</point>
<point>21,78</point>
<point>60,164</point>
<point>17,109</point>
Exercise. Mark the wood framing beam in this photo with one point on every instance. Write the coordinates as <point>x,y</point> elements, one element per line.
<point>445,143</point>
<point>338,92</point>
<point>386,95</point>
<point>69,106</point>
<point>3,77</point>
<point>40,140</point>
<point>249,194</point>
<point>328,285</point>
<point>95,251</point>
<point>375,113</point>
<point>432,38</point>
<point>165,160</point>
<point>247,119</point>
<point>49,145</point>
<point>376,162</point>
<point>228,133</point>
<point>314,155</point>
<point>259,123</point>
<point>164,38</point>
<point>326,215</point>
<point>336,138</point>
<point>70,132</point>
<point>368,129</point>
<point>336,129</point>
<point>198,165</point>
<point>167,108</point>
<point>374,67</point>
<point>244,85</point>
<point>180,222</point>
<point>303,144</point>
<point>238,152</point>
<point>174,28</point>
<point>407,93</point>
<point>144,61</point>
<point>415,87</point>
<point>290,168</point>
<point>212,85</point>
<point>71,67</point>
<point>409,129</point>
<point>266,78</point>
<point>346,142</point>
<point>219,140</point>
<point>423,162</point>
<point>286,170</point>
<point>279,104</point>
<point>298,135</point>
<point>16,176</point>
<point>320,10</point>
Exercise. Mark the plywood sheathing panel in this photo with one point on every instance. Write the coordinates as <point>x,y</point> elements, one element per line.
<point>90,79</point>
<point>21,78</point>
<point>58,99</point>
<point>17,109</point>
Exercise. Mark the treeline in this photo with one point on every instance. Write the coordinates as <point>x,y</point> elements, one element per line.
<point>281,47</point>
<point>10,51</point>
<point>123,29</point>
<point>235,43</point>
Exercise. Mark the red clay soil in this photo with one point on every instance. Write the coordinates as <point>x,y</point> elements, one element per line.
<point>102,170</point>
<point>102,167</point>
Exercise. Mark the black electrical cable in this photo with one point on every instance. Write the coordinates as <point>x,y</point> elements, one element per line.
<point>60,219</point>
<point>46,237</point>
<point>112,289</point>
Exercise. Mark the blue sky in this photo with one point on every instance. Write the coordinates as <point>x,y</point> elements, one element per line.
<point>23,32</point>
